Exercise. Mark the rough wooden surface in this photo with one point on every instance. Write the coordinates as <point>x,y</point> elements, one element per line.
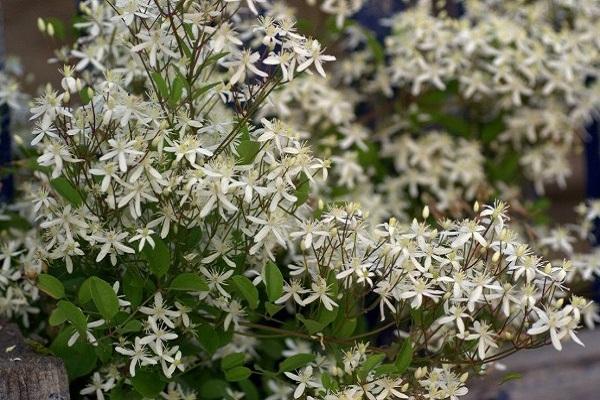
<point>547,374</point>
<point>26,375</point>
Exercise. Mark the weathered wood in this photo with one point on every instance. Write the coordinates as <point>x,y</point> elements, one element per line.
<point>26,375</point>
<point>547,374</point>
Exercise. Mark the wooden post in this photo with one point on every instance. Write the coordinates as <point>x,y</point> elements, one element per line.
<point>26,375</point>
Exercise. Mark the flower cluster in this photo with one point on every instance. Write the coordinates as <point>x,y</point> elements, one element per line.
<point>531,62</point>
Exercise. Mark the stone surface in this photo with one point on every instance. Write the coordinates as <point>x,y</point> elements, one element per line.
<point>547,374</point>
<point>26,375</point>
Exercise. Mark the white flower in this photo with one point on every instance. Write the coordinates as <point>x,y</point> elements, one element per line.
<point>244,63</point>
<point>292,290</point>
<point>121,150</point>
<point>320,291</point>
<point>159,313</point>
<point>157,337</point>
<point>98,386</point>
<point>553,322</point>
<point>143,235</point>
<point>112,244</point>
<point>304,379</point>
<point>314,55</point>
<point>138,355</point>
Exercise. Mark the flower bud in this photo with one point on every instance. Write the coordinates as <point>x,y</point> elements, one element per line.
<point>18,140</point>
<point>464,377</point>
<point>425,213</point>
<point>503,234</point>
<point>496,256</point>
<point>548,269</point>
<point>420,372</point>
<point>50,30</point>
<point>41,25</point>
<point>476,206</point>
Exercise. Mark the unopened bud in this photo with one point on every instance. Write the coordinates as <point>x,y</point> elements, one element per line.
<point>78,84</point>
<point>66,97</point>
<point>560,302</point>
<point>425,213</point>
<point>503,234</point>
<point>41,25</point>
<point>90,92</point>
<point>420,372</point>
<point>476,206</point>
<point>18,140</point>
<point>464,377</point>
<point>405,387</point>
<point>321,204</point>
<point>496,256</point>
<point>548,269</point>
<point>50,30</point>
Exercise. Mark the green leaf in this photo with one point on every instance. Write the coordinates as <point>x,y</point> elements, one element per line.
<point>370,363</point>
<point>296,361</point>
<point>325,316</point>
<point>70,312</point>
<point>80,358</point>
<point>66,190</point>
<point>161,84</point>
<point>249,390</point>
<point>510,376</point>
<point>247,149</point>
<point>273,309</point>
<point>158,258</point>
<point>85,292</point>
<point>131,326</point>
<point>273,281</point>
<point>84,94</point>
<point>302,190</point>
<point>232,360</point>
<point>147,383</point>
<point>345,328</point>
<point>204,89</point>
<point>215,57</point>
<point>212,339</point>
<point>311,325</point>
<point>213,389</point>
<point>386,369</point>
<point>404,357</point>
<point>237,374</point>
<point>189,282</point>
<point>104,298</point>
<point>133,286</point>
<point>176,90</point>
<point>329,383</point>
<point>246,289</point>
<point>51,286</point>
<point>57,317</point>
